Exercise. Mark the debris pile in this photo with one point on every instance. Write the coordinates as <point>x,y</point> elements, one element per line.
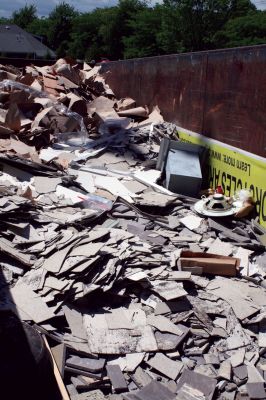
<point>138,297</point>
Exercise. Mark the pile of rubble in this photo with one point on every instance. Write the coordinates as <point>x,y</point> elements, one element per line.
<point>139,297</point>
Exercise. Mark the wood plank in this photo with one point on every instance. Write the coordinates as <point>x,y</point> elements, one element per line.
<point>58,377</point>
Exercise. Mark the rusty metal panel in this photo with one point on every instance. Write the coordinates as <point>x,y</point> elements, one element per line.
<point>175,83</point>
<point>220,93</point>
<point>235,101</point>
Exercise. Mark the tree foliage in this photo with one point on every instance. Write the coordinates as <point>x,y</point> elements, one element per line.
<point>244,30</point>
<point>134,28</point>
<point>25,16</point>
<point>60,27</point>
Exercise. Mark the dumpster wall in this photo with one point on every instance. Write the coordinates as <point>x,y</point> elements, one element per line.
<point>220,94</point>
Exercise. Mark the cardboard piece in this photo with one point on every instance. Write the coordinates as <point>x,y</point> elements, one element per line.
<point>210,263</point>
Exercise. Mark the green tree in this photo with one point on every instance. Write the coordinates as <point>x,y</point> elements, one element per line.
<point>134,28</point>
<point>101,33</point>
<point>61,23</point>
<point>170,37</point>
<point>240,8</point>
<point>41,27</point>
<point>123,28</point>
<point>145,38</point>
<point>246,30</point>
<point>88,38</point>
<point>83,32</point>
<point>109,36</point>
<point>24,16</point>
<point>199,20</point>
<point>4,21</point>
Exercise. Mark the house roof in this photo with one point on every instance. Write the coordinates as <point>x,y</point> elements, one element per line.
<point>13,39</point>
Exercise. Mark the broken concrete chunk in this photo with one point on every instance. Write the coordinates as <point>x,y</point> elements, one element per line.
<point>163,324</point>
<point>167,341</point>
<point>191,221</point>
<point>225,370</point>
<point>241,372</point>
<point>172,307</point>
<point>253,375</point>
<point>197,381</point>
<point>220,248</point>
<point>75,321</point>
<point>262,334</point>
<point>256,390</point>
<point>28,304</point>
<point>166,366</point>
<point>87,364</point>
<point>118,319</point>
<point>156,391</point>
<point>141,378</point>
<point>133,360</point>
<point>168,290</point>
<point>117,379</point>
<point>103,340</point>
<point>229,291</point>
<point>46,185</point>
<point>91,395</point>
<point>189,393</point>
<point>35,278</point>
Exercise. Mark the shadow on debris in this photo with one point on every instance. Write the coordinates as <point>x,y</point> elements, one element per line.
<point>25,366</point>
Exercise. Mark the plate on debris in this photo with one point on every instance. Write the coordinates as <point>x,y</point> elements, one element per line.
<point>200,209</point>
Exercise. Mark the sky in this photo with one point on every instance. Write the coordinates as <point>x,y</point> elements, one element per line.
<point>44,7</point>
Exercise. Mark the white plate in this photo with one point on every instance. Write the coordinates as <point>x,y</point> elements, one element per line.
<point>199,208</point>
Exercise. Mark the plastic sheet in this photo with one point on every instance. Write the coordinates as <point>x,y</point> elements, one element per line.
<point>72,138</point>
<point>113,126</point>
<point>9,85</point>
<point>78,138</point>
<point>97,203</point>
